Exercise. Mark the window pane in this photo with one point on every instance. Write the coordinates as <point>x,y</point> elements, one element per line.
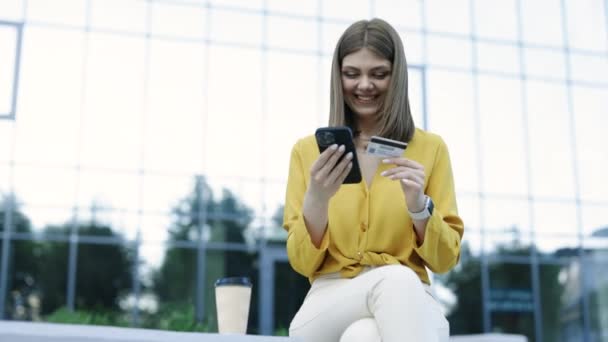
<point>45,186</point>
<point>450,104</point>
<point>11,10</point>
<point>464,281</point>
<point>345,9</point>
<point>498,58</point>
<point>232,138</point>
<point>108,190</point>
<point>6,146</point>
<point>502,139</point>
<point>560,295</point>
<point>550,148</point>
<point>594,219</point>
<point>542,22</point>
<point>412,44</point>
<point>449,52</point>
<point>448,16</point>
<point>227,27</point>
<point>598,292</point>
<point>400,13</point>
<point>178,20</point>
<point>330,35</point>
<point>103,280</point>
<point>590,108</point>
<point>589,68</point>
<point>67,12</point>
<point>303,34</point>
<point>555,218</point>
<point>545,63</point>
<point>8,46</point>
<point>496,19</point>
<point>511,299</point>
<point>290,288</point>
<point>237,4</point>
<point>127,15</point>
<point>586,24</point>
<point>415,93</point>
<point>51,74</point>
<point>292,114</point>
<point>307,8</point>
<point>42,217</point>
<point>174,285</point>
<point>38,279</point>
<point>175,111</point>
<point>112,132</point>
<point>506,215</point>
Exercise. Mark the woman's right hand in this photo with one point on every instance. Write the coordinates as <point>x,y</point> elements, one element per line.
<point>325,179</point>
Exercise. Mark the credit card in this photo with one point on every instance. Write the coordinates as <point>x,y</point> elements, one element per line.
<point>383,147</point>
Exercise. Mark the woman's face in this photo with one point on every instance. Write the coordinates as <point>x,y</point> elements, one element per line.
<point>365,80</point>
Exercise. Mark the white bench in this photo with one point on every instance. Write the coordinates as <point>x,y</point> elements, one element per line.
<point>12,331</point>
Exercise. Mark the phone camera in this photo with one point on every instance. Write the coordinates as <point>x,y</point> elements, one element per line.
<point>326,138</point>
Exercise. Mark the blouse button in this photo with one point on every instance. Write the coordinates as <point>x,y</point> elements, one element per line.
<point>359,256</point>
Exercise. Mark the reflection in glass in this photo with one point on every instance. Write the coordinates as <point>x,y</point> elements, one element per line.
<point>511,299</point>
<point>465,315</point>
<point>37,279</point>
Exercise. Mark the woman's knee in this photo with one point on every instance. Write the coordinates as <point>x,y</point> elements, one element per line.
<point>364,330</point>
<point>402,275</point>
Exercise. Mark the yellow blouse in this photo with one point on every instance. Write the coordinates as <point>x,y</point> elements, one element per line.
<point>372,226</point>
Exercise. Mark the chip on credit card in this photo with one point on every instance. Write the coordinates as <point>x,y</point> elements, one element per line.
<point>383,147</point>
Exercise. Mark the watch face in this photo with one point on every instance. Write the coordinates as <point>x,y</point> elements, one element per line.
<point>431,206</point>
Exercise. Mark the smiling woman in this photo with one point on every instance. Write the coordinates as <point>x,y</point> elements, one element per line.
<point>365,247</point>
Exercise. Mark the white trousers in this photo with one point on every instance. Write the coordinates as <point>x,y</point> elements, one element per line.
<point>387,303</point>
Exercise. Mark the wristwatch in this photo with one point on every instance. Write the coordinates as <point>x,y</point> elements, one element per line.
<point>426,212</point>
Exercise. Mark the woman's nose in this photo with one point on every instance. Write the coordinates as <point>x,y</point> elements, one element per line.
<point>365,83</point>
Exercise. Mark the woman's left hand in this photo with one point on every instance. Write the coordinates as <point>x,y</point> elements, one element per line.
<point>411,177</point>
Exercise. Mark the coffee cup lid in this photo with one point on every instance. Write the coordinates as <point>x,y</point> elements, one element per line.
<point>242,281</point>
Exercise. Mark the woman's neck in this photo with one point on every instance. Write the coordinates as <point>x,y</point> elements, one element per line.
<point>367,128</point>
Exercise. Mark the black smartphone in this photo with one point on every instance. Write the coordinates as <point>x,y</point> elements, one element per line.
<point>341,135</point>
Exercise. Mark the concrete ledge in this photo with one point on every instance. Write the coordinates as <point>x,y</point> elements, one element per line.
<point>50,332</point>
<point>489,338</point>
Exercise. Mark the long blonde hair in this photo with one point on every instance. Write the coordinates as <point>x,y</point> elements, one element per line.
<point>395,119</point>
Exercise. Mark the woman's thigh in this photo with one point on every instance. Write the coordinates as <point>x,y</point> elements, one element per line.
<point>329,308</point>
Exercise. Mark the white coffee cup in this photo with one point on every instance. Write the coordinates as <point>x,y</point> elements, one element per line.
<point>232,298</point>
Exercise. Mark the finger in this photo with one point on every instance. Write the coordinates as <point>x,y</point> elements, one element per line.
<point>318,164</point>
<point>411,184</point>
<point>331,162</point>
<point>396,170</point>
<point>338,170</point>
<point>403,162</point>
<point>345,172</point>
<point>412,176</point>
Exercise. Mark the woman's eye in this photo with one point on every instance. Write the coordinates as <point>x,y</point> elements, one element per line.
<point>350,74</point>
<point>380,76</point>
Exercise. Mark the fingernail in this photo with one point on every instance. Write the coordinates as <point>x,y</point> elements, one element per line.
<point>349,155</point>
<point>341,148</point>
<point>386,161</point>
<point>333,147</point>
<point>383,173</point>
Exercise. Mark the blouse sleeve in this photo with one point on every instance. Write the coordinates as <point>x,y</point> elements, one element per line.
<point>441,246</point>
<point>304,257</point>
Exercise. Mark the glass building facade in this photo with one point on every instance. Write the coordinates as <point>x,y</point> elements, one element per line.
<point>144,147</point>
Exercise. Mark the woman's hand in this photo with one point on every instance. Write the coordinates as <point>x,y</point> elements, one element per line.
<point>325,179</point>
<point>411,177</point>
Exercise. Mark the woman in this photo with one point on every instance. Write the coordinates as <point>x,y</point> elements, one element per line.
<point>365,246</point>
